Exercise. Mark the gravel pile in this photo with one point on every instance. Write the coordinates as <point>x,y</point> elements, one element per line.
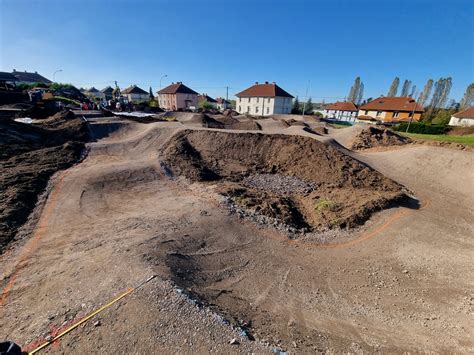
<point>277,183</point>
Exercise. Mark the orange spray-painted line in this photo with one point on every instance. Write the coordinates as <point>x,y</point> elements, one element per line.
<point>32,244</point>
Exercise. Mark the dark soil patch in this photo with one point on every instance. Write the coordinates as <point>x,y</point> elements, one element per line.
<point>344,192</point>
<point>372,137</point>
<point>29,156</point>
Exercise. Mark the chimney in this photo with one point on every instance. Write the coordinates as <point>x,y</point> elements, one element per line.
<point>14,70</point>
<point>256,83</point>
<point>36,72</point>
<point>273,82</point>
<point>266,82</point>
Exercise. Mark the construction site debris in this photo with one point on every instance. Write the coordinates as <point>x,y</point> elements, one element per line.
<point>372,137</point>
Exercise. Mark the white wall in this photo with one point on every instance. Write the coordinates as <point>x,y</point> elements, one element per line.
<point>454,121</point>
<point>340,115</point>
<point>263,106</point>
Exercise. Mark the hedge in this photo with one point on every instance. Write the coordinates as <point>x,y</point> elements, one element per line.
<point>423,128</point>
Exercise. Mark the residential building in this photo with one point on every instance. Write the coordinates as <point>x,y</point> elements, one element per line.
<point>93,93</point>
<point>206,98</point>
<point>223,104</point>
<point>264,99</point>
<point>341,110</point>
<point>177,96</point>
<point>135,94</point>
<point>463,118</point>
<point>29,78</point>
<point>7,80</point>
<point>108,92</point>
<point>390,110</point>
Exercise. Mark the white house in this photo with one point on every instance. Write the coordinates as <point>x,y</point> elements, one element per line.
<point>135,94</point>
<point>341,110</point>
<point>93,93</point>
<point>263,100</point>
<point>223,104</point>
<point>463,118</point>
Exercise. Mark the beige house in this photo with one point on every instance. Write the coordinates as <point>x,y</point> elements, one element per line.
<point>390,109</point>
<point>264,99</point>
<point>463,118</point>
<point>177,96</point>
<point>135,94</point>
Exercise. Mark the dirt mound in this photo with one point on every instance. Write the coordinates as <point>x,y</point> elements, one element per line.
<point>29,155</point>
<point>293,122</point>
<point>461,131</point>
<point>246,124</point>
<point>345,192</point>
<point>371,137</point>
<point>203,120</point>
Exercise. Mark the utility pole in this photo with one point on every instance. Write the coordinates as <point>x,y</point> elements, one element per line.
<point>227,93</point>
<point>306,98</point>
<point>413,113</point>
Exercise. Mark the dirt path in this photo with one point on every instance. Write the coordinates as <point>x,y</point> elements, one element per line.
<point>116,220</point>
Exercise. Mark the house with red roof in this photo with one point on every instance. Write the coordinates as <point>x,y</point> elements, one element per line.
<point>263,100</point>
<point>177,96</point>
<point>135,94</point>
<point>390,110</point>
<point>463,118</point>
<point>341,110</point>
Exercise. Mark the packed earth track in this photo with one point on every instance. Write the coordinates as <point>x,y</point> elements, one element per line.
<point>401,282</point>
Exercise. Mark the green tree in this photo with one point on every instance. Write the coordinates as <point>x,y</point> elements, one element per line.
<point>309,107</point>
<point>296,107</point>
<point>151,94</point>
<point>426,92</point>
<point>205,105</point>
<point>356,92</point>
<point>443,116</point>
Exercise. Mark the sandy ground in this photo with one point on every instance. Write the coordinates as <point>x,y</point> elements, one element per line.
<point>403,283</point>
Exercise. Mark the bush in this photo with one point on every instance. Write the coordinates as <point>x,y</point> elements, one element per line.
<point>420,127</point>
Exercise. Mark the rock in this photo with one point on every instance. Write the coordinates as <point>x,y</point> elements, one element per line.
<point>234,341</point>
<point>97,323</point>
<point>49,338</point>
<point>405,271</point>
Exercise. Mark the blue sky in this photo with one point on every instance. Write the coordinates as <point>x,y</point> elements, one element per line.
<point>212,44</point>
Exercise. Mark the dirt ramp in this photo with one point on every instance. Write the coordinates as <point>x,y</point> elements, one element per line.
<point>372,137</point>
<point>343,192</point>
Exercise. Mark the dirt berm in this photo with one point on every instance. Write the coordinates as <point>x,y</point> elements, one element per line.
<point>296,180</point>
<point>29,156</point>
<point>372,137</point>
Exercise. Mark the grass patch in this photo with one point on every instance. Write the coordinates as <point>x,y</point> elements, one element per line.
<point>324,204</point>
<point>467,139</point>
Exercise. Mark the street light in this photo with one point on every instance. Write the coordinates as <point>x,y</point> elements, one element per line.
<point>54,74</point>
<point>164,76</point>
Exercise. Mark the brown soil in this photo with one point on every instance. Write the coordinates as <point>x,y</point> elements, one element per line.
<point>461,131</point>
<point>116,219</point>
<point>29,156</point>
<point>372,137</point>
<point>346,193</point>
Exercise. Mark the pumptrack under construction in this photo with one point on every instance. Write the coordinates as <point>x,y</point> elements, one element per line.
<point>392,273</point>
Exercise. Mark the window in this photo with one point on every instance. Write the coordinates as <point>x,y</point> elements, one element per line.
<point>257,99</point>
<point>366,112</point>
<point>410,114</point>
<point>240,100</point>
<point>248,109</point>
<point>268,110</point>
<point>268,101</point>
<point>240,109</point>
<point>256,109</point>
<point>249,99</point>
<point>395,114</point>
<point>379,113</point>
